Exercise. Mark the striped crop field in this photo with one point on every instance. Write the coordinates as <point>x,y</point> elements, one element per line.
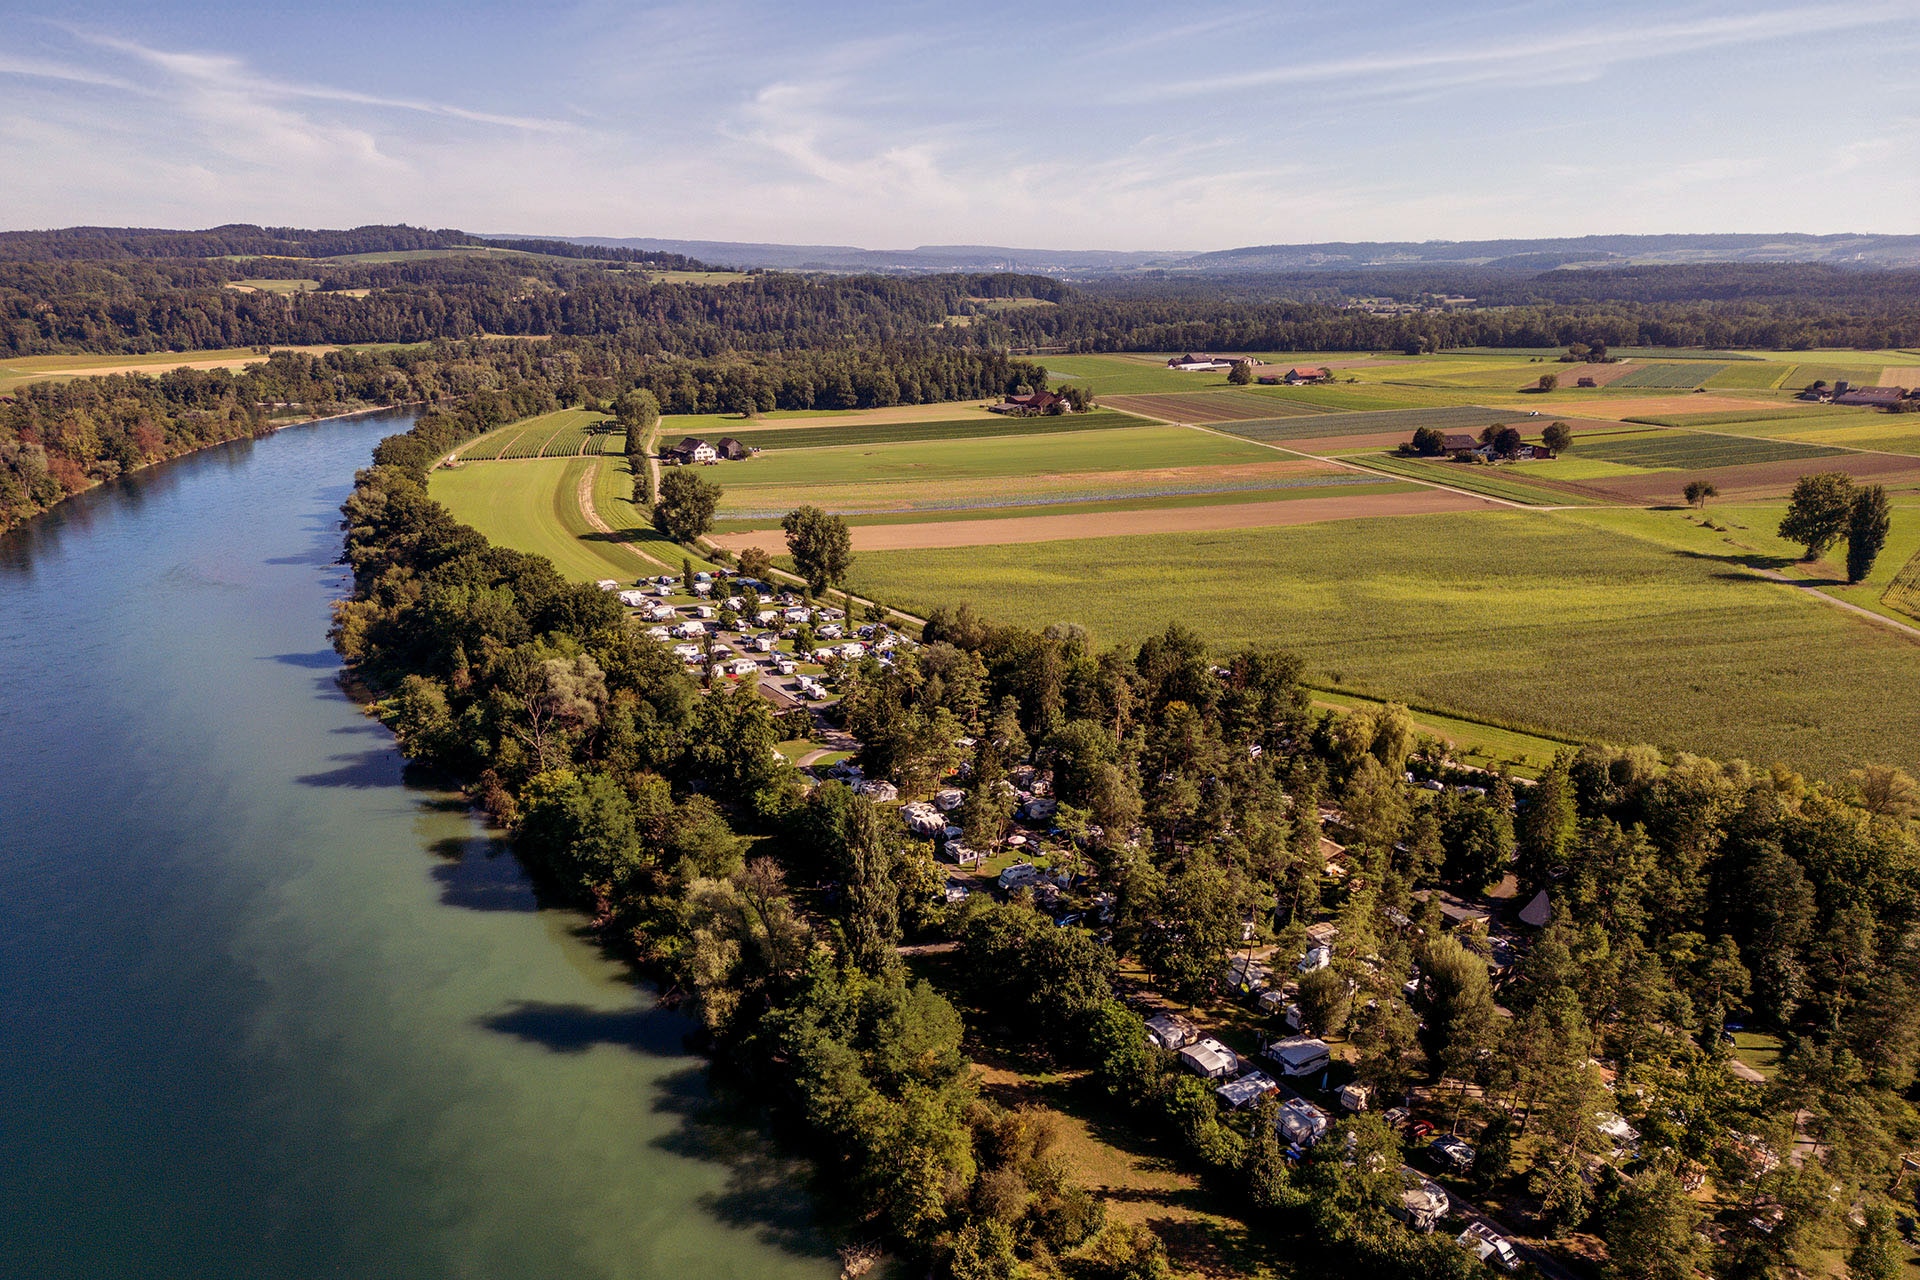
<point>1694,450</point>
<point>1670,376</point>
<point>572,433</point>
<point>784,438</point>
<point>494,444</point>
<point>1469,417</point>
<point>1215,406</point>
<point>1749,375</point>
<point>1903,593</point>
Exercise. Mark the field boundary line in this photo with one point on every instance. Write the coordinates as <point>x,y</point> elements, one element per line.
<point>583,495</point>
<point>1774,575</point>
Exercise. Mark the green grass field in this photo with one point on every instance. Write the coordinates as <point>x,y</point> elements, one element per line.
<point>1749,375</point>
<point>534,507</point>
<point>980,428</point>
<point>1555,623</point>
<point>794,470</point>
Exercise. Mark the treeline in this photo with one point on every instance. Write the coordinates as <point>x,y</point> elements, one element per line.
<point>57,438</point>
<point>245,240</point>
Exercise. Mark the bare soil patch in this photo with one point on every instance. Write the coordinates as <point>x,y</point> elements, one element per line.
<point>1901,375</point>
<point>1245,515</point>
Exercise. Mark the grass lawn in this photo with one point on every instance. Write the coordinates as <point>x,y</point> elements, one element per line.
<point>979,426</point>
<point>1757,1050</point>
<point>1128,449</point>
<point>533,506</point>
<point>1546,622</point>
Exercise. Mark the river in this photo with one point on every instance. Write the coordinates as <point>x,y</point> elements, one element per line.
<point>266,1010</point>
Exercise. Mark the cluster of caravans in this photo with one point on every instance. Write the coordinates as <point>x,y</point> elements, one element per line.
<point>777,617</point>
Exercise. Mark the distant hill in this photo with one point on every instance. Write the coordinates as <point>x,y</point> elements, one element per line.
<point>1864,251</point>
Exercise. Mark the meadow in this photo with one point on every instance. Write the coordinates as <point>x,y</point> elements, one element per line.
<point>1691,450</point>
<point>1554,623</point>
<point>1459,418</point>
<point>1505,482</point>
<point>1673,376</point>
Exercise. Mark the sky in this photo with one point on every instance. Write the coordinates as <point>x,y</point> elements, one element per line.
<point>888,125</point>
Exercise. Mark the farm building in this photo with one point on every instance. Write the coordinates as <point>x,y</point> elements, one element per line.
<point>1042,401</point>
<point>1299,1055</point>
<point>1210,1060</point>
<point>1198,362</point>
<point>1299,376</point>
<point>1171,1031</point>
<point>1459,444</point>
<point>731,449</point>
<point>1873,397</point>
<point>689,451</point>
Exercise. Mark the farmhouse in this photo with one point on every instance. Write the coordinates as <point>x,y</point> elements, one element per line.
<point>731,449</point>
<point>1042,401</point>
<point>1460,444</point>
<point>1199,362</point>
<point>689,451</point>
<point>1300,376</point>
<point>1875,397</point>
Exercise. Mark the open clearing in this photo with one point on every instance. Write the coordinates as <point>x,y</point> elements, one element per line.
<point>1548,622</point>
<point>1055,528</point>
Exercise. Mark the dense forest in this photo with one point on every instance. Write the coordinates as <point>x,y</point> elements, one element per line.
<point>107,291</point>
<point>1688,896</point>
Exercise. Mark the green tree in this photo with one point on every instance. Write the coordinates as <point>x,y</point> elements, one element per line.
<point>1241,373</point>
<point>1324,1000</point>
<point>1653,1233</point>
<point>1698,491</point>
<point>1877,1254</point>
<point>1818,511</point>
<point>1548,381</point>
<point>1429,442</point>
<point>638,414</point>
<point>1544,827</point>
<point>1867,524</point>
<point>821,545</point>
<point>756,563</point>
<point>1557,437</point>
<point>687,503</point>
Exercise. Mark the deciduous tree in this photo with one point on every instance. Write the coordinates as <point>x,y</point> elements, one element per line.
<point>686,506</point>
<point>1818,511</point>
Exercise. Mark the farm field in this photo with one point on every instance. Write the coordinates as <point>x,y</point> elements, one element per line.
<point>1397,421</point>
<point>1503,482</point>
<point>1750,375</point>
<point>727,424</point>
<point>1660,450</point>
<point>1124,449</point>
<point>1682,375</point>
<point>1346,484</point>
<point>565,433</point>
<point>1211,406</point>
<point>973,494</point>
<point>986,426</point>
<point>1026,530</point>
<point>1554,623</point>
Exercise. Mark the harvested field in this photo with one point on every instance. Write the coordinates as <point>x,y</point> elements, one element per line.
<point>1057,528</point>
<point>1900,375</point>
<point>1216,406</point>
<point>814,436</point>
<point>1403,422</point>
<point>1640,406</point>
<point>1766,479</point>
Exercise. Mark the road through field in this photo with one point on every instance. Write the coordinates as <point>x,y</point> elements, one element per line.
<point>1245,515</point>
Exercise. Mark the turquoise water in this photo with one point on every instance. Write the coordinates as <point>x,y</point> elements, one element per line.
<point>265,1009</point>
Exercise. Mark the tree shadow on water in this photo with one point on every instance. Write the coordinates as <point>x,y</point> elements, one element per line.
<point>768,1192</point>
<point>575,1028</point>
<point>375,767</point>
<point>479,874</point>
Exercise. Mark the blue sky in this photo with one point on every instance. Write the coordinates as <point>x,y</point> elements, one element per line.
<point>1118,126</point>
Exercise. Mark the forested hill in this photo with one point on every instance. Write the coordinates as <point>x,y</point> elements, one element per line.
<point>241,239</point>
